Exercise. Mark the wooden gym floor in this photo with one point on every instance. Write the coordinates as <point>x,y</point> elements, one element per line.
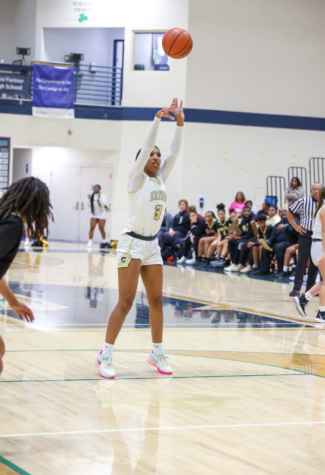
<point>246,397</point>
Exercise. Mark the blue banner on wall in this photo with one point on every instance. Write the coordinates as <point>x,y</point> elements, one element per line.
<point>14,85</point>
<point>53,91</point>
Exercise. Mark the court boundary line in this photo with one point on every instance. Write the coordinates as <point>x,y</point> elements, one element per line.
<point>144,429</point>
<point>12,466</point>
<point>298,373</point>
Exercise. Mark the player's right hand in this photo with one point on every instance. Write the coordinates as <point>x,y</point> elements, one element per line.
<point>23,311</point>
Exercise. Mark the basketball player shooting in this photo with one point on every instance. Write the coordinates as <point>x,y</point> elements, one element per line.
<point>138,249</point>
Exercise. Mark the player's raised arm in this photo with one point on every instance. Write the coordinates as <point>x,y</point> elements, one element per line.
<point>136,173</point>
<point>177,140</point>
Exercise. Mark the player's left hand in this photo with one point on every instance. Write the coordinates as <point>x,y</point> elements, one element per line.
<point>22,311</point>
<point>178,112</point>
<point>165,112</point>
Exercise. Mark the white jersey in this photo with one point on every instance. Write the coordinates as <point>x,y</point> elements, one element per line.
<point>148,195</point>
<point>99,205</point>
<point>317,230</point>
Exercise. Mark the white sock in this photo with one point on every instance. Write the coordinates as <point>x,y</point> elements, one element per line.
<point>308,296</point>
<point>157,348</point>
<point>321,309</point>
<point>103,239</point>
<point>285,268</point>
<point>108,348</point>
<point>90,242</point>
<point>255,266</point>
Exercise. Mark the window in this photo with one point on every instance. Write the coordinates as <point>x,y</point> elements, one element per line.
<point>148,52</point>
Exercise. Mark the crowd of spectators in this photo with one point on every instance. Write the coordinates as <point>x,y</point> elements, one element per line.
<point>240,238</point>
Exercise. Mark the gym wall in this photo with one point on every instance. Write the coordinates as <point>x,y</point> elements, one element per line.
<point>274,67</point>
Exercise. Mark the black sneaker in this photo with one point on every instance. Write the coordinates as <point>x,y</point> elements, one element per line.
<point>301,304</point>
<point>294,293</point>
<point>107,245</point>
<point>320,317</point>
<point>102,245</point>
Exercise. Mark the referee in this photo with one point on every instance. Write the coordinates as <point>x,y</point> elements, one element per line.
<point>306,207</point>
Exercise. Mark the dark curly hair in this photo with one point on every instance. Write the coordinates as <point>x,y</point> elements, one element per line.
<point>29,197</point>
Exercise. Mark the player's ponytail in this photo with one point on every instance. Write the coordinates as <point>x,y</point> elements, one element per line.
<point>321,198</point>
<point>92,200</point>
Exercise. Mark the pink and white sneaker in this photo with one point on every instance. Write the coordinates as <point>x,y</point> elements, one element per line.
<point>105,365</point>
<point>161,363</point>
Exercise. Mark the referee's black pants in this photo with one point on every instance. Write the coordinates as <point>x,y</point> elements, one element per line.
<point>304,245</point>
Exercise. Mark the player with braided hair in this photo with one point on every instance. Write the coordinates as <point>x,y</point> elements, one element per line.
<point>26,201</point>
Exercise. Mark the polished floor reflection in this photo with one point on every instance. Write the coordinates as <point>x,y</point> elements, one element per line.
<point>246,396</point>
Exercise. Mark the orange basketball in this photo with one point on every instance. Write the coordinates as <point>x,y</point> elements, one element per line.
<point>177,43</point>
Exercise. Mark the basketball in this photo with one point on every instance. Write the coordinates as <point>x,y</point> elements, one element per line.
<point>177,43</point>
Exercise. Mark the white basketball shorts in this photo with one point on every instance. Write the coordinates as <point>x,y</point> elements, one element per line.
<point>129,248</point>
<point>316,252</point>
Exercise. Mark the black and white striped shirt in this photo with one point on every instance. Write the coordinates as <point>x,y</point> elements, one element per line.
<point>306,207</point>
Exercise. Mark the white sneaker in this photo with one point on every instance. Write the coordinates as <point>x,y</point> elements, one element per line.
<point>190,262</point>
<point>181,260</point>
<point>26,243</point>
<point>230,268</point>
<point>161,363</point>
<point>245,270</point>
<point>104,365</point>
<point>237,268</point>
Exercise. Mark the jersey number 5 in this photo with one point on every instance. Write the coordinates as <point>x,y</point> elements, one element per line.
<point>158,210</point>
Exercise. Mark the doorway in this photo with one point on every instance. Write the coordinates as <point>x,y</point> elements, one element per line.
<point>69,188</point>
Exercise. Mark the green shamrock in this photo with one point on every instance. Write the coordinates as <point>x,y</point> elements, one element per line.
<point>82,17</point>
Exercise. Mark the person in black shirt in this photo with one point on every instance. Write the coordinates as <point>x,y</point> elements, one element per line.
<point>211,232</point>
<point>237,245</point>
<point>222,246</point>
<point>283,235</point>
<point>193,237</point>
<point>263,232</point>
<point>223,224</point>
<point>181,224</point>
<point>26,202</point>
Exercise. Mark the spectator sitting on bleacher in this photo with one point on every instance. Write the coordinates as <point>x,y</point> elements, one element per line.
<point>168,220</point>
<point>193,208</point>
<point>165,227</point>
<point>222,247</point>
<point>265,207</point>
<point>237,245</point>
<point>181,224</point>
<point>239,204</point>
<point>212,231</point>
<point>294,191</point>
<point>282,237</point>
<point>197,230</point>
<point>263,233</point>
<point>273,217</point>
<point>249,203</point>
